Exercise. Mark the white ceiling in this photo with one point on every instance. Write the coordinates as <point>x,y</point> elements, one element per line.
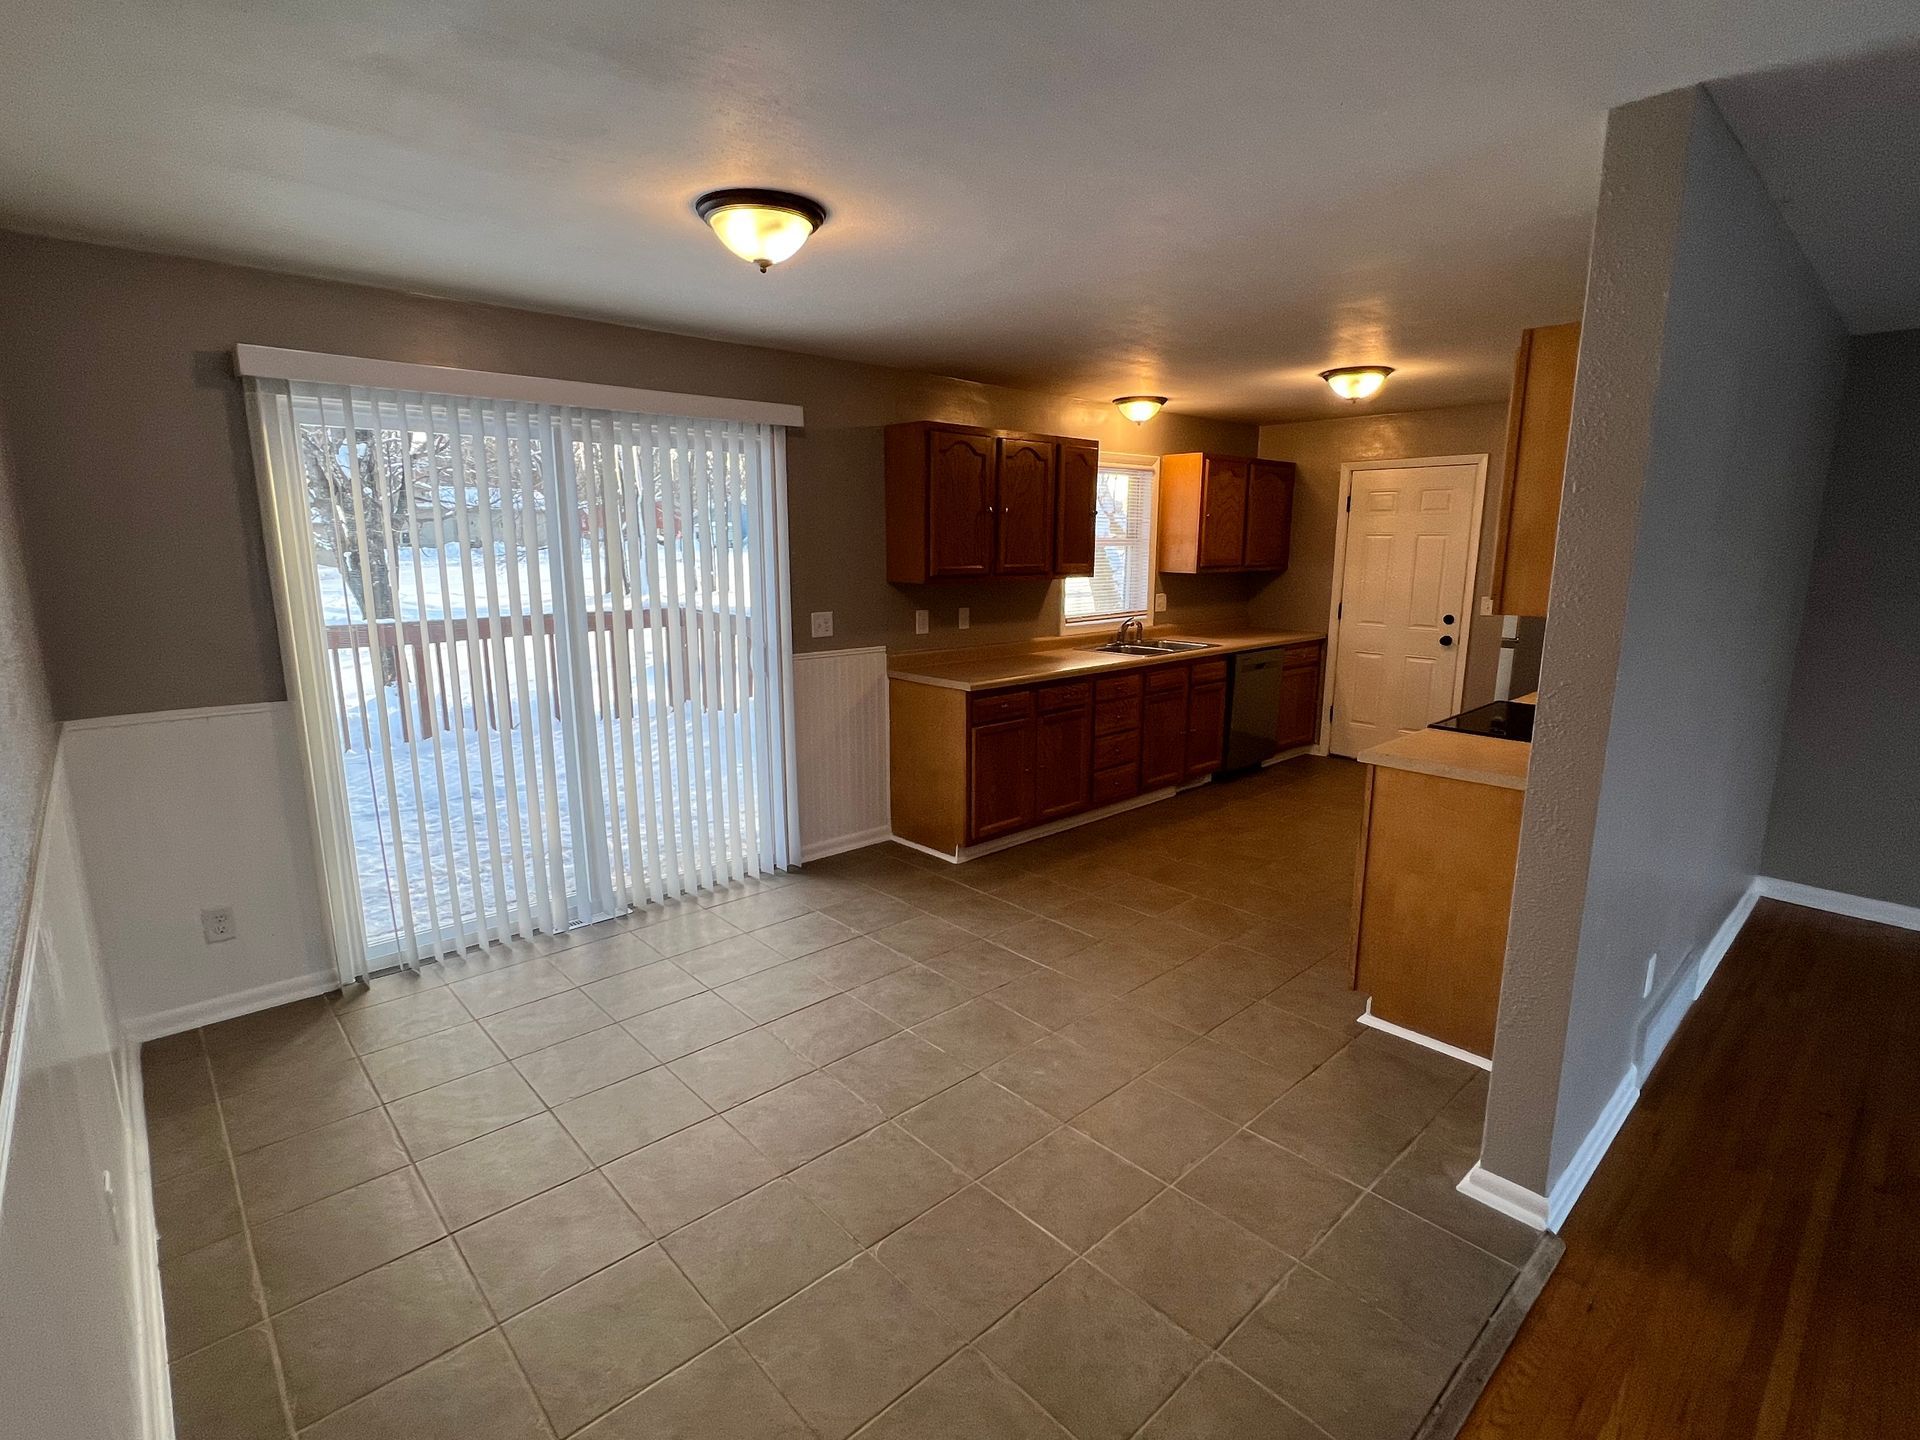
<point>1214,199</point>
<point>1838,145</point>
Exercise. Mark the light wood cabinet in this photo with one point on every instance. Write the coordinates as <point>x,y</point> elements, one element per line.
<point>1224,512</point>
<point>965,503</point>
<point>1539,414</point>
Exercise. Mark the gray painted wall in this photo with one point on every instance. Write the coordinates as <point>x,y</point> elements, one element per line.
<point>1846,799</point>
<point>26,735</point>
<point>138,487</point>
<point>1710,373</point>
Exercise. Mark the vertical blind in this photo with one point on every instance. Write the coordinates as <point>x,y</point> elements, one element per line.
<point>540,653</point>
<point>1122,547</point>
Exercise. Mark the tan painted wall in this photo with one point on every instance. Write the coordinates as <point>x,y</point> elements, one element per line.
<point>1299,599</point>
<point>138,500</point>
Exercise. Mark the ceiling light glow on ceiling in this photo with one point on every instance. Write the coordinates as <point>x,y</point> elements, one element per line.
<point>762,227</point>
<point>1140,408</point>
<point>1357,382</point>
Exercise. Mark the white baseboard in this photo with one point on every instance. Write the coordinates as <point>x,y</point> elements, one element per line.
<point>1837,902</point>
<point>228,1007</point>
<point>821,849</point>
<point>1427,1042</point>
<point>156,1380</point>
<point>1566,1190</point>
<point>1497,1192</point>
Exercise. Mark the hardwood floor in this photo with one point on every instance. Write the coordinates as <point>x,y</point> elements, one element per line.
<point>1747,1260</point>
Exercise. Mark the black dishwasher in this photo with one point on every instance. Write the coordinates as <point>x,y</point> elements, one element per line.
<point>1253,714</point>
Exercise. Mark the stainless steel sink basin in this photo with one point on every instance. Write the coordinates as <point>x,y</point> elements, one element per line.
<point>1154,647</point>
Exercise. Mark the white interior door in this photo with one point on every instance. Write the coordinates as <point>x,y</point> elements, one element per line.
<point>1403,617</point>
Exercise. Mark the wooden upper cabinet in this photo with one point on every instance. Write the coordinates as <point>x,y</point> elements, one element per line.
<point>1224,512</point>
<point>1024,510</point>
<point>1078,490</point>
<point>964,503</point>
<point>1538,417</point>
<point>1269,514</point>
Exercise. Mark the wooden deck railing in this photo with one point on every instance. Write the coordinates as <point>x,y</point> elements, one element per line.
<point>421,656</point>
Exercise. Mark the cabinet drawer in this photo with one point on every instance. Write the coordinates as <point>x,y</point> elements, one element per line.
<point>1117,687</point>
<point>1066,697</point>
<point>1110,716</point>
<point>1120,749</point>
<point>1003,705</point>
<point>1209,672</point>
<point>1169,677</point>
<point>1308,654</point>
<point>1119,782</point>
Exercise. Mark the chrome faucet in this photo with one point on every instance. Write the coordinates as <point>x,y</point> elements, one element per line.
<point>1133,631</point>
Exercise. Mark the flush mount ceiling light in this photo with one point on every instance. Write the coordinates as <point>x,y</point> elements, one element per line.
<point>1140,408</point>
<point>1357,382</point>
<point>761,226</point>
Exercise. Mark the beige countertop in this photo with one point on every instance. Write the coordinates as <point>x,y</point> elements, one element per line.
<point>1480,759</point>
<point>990,667</point>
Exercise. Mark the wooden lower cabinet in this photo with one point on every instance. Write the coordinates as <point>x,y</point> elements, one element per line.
<point>1206,719</point>
<point>1300,672</point>
<point>1163,728</point>
<point>1063,773</point>
<point>968,768</point>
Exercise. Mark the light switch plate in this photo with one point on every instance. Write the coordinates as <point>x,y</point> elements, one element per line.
<point>822,624</point>
<point>966,617</point>
<point>919,622</point>
<point>1486,604</point>
<point>1159,603</point>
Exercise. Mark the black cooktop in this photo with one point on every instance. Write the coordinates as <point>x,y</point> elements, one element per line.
<point>1503,719</point>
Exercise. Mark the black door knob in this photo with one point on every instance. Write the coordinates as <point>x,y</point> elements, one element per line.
<point>1446,619</point>
<point>1446,640</point>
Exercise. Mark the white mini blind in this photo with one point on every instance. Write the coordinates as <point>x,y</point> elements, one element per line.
<point>1122,578</point>
<point>541,655</point>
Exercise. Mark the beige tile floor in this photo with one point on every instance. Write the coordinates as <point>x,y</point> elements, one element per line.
<point>1080,1139</point>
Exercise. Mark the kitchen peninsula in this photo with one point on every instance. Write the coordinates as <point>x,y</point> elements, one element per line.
<point>998,744</point>
<point>1439,835</point>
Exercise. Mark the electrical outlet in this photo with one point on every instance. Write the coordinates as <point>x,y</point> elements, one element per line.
<point>1486,604</point>
<point>823,624</point>
<point>217,925</point>
<point>1646,988</point>
<point>919,622</point>
<point>966,617</point>
<point>1159,603</point>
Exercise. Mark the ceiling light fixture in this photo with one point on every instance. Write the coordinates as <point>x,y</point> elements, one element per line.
<point>763,227</point>
<point>1140,408</point>
<point>1357,382</point>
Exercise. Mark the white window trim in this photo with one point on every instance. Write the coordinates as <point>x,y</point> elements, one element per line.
<point>1101,625</point>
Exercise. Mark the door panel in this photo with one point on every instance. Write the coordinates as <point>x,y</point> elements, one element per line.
<point>1269,515</point>
<point>1063,773</point>
<point>1000,778</point>
<point>1024,508</point>
<point>1404,606</point>
<point>1079,482</point>
<point>960,471</point>
<point>1223,515</point>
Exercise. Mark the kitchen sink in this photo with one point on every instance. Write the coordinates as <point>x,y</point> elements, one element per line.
<point>1154,647</point>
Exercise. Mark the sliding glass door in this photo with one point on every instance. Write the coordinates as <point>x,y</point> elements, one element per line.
<point>542,654</point>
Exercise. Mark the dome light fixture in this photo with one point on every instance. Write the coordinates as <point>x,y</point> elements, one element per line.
<point>1140,408</point>
<point>1357,382</point>
<point>762,227</point>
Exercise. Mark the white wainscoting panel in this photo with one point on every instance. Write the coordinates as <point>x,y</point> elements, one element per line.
<point>82,1343</point>
<point>840,731</point>
<point>189,810</point>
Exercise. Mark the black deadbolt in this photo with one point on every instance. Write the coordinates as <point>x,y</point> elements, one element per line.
<point>1446,619</point>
